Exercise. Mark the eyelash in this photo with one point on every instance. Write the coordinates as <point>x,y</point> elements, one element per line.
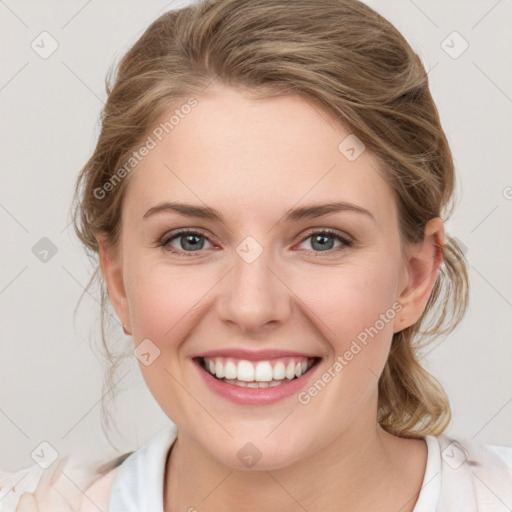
<point>327,231</point>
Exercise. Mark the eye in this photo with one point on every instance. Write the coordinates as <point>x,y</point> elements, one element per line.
<point>189,241</point>
<point>185,241</point>
<point>323,240</point>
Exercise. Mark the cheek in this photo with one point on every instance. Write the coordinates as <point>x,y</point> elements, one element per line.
<point>352,303</point>
<point>160,298</point>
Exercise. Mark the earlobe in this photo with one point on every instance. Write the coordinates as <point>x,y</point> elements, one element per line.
<point>423,262</point>
<point>112,271</point>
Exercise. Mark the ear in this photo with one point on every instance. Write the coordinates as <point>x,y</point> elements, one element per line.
<point>423,260</point>
<point>112,269</point>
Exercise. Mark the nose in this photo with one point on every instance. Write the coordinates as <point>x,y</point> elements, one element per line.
<point>253,297</point>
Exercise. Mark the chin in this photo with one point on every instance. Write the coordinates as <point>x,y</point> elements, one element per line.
<point>256,453</point>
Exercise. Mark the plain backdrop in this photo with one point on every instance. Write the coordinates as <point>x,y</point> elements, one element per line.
<point>50,379</point>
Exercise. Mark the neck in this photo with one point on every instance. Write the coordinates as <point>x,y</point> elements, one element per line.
<point>361,469</point>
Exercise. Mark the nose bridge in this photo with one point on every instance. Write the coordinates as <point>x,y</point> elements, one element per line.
<point>253,295</point>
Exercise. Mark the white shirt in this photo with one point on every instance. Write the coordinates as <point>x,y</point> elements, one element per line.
<point>460,476</point>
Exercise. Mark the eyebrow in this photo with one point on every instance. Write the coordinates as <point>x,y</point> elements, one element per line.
<point>292,214</point>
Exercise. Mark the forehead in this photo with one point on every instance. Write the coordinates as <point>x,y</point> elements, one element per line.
<point>244,156</point>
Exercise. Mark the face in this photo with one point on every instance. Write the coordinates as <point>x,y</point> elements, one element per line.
<point>260,291</point>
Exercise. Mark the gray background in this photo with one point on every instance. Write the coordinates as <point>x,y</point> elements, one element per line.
<point>50,380</point>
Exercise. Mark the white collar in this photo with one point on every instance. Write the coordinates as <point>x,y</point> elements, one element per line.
<point>139,484</point>
<point>431,485</point>
<point>140,479</point>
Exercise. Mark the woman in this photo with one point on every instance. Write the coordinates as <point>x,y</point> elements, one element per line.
<point>266,200</point>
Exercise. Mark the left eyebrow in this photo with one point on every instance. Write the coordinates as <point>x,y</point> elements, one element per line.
<point>290,215</point>
<point>318,210</point>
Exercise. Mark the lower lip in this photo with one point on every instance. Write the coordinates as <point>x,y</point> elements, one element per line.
<point>255,396</point>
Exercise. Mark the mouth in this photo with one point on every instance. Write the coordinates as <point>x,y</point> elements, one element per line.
<point>257,374</point>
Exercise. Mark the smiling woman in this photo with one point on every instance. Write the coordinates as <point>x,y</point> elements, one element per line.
<point>278,255</point>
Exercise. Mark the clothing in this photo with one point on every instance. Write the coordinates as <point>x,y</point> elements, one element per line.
<point>460,476</point>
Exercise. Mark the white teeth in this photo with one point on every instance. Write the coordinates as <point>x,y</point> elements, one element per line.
<point>270,373</point>
<point>219,369</point>
<point>243,384</point>
<point>279,371</point>
<point>229,370</point>
<point>245,371</point>
<point>290,370</point>
<point>263,372</point>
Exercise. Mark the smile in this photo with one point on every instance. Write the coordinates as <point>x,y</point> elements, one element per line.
<point>257,374</point>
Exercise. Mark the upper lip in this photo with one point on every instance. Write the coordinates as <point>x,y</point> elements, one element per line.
<point>254,355</point>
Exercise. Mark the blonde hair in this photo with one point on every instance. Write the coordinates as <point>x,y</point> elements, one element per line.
<point>349,60</point>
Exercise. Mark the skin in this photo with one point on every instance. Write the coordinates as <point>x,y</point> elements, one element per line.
<point>252,160</point>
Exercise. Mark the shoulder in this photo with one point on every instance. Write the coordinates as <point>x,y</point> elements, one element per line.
<point>97,495</point>
<point>484,470</point>
<point>458,451</point>
<point>69,485</point>
<point>14,483</point>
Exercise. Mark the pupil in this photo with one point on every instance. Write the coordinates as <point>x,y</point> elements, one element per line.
<point>193,240</point>
<point>322,240</point>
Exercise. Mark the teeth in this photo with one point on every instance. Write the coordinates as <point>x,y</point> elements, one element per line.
<point>219,369</point>
<point>245,370</point>
<point>263,372</point>
<point>229,370</point>
<point>257,374</point>
<point>279,371</point>
<point>290,370</point>
<point>243,384</point>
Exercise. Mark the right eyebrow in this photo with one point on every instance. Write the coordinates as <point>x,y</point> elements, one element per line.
<point>187,210</point>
